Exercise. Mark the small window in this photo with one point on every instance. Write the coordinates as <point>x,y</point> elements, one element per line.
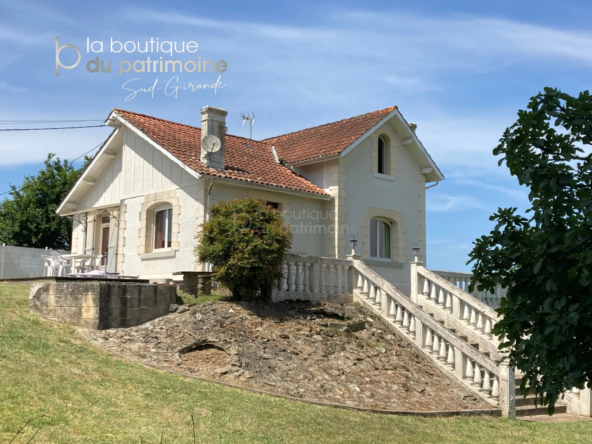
<point>380,239</point>
<point>381,156</point>
<point>272,205</point>
<point>163,228</point>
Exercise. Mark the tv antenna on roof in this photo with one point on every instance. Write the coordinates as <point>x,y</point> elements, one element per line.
<point>250,119</point>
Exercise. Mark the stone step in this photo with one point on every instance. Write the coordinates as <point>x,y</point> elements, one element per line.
<point>522,402</point>
<point>519,393</point>
<point>532,411</point>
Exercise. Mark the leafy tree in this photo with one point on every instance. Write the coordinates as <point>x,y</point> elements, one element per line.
<point>29,219</point>
<point>545,260</point>
<point>245,242</point>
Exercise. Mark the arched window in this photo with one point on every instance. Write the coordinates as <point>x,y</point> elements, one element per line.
<point>381,155</point>
<point>163,227</point>
<point>380,239</point>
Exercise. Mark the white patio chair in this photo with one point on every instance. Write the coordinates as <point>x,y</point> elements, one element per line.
<point>62,265</point>
<point>49,268</point>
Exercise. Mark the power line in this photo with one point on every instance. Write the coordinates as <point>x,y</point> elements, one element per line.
<point>87,152</point>
<point>4,122</point>
<point>43,129</point>
<point>72,161</point>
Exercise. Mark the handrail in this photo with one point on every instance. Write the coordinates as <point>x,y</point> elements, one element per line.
<point>426,319</point>
<point>459,292</point>
<point>492,381</point>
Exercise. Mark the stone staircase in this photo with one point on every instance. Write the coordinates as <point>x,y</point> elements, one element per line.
<point>443,322</point>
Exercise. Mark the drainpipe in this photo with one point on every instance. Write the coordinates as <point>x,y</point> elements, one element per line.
<point>432,186</point>
<point>208,200</point>
<point>209,265</point>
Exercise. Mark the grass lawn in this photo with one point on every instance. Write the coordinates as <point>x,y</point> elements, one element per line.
<point>89,396</point>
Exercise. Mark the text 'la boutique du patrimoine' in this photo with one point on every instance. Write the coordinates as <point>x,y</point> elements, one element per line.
<point>148,64</point>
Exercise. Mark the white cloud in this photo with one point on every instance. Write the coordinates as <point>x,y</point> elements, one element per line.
<point>518,194</point>
<point>9,88</point>
<point>445,203</point>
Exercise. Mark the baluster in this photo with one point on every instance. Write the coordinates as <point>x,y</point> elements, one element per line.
<point>448,301</point>
<point>365,286</point>
<point>306,286</point>
<point>378,298</point>
<point>486,382</point>
<point>392,308</point>
<point>433,295</point>
<point>480,321</point>
<point>495,391</point>
<point>435,344</point>
<point>345,280</point>
<point>426,287</point>
<point>473,319</point>
<point>450,358</point>
<point>442,352</point>
<point>477,380</point>
<point>322,283</point>
<point>405,319</point>
<point>441,296</point>
<point>284,278</point>
<point>466,314</point>
<point>299,276</point>
<point>487,329</point>
<point>292,276</point>
<point>360,283</point>
<point>332,280</point>
<point>339,276</point>
<point>412,325</point>
<point>429,342</point>
<point>399,318</point>
<point>469,372</point>
<point>372,292</point>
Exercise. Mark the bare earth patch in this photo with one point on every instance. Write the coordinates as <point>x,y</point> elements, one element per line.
<point>289,349</point>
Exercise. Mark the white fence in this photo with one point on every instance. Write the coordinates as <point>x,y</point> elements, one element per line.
<point>21,262</point>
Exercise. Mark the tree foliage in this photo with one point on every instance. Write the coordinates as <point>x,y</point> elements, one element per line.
<point>545,260</point>
<point>28,218</point>
<point>245,242</point>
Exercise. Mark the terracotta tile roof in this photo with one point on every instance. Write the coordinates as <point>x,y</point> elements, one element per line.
<point>325,140</point>
<point>246,160</point>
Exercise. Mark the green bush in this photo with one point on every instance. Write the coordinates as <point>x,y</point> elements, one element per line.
<point>245,242</point>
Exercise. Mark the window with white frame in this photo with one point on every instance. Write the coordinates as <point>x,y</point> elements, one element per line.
<point>163,227</point>
<point>380,239</point>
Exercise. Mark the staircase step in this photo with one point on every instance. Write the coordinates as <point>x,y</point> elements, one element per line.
<point>532,411</point>
<point>519,393</point>
<point>525,402</point>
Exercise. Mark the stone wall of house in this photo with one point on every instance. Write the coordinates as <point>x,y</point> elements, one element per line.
<point>100,305</point>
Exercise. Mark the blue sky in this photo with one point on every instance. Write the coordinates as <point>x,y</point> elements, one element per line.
<point>459,69</point>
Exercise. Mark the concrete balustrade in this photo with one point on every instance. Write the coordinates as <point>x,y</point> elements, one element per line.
<point>478,372</point>
<point>315,279</point>
<point>448,325</point>
<point>458,310</point>
<point>463,280</point>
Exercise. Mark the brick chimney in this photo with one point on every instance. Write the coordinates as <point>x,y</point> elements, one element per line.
<point>213,123</point>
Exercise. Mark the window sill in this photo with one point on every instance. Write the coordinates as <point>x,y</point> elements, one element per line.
<point>384,263</point>
<point>158,254</point>
<point>385,177</point>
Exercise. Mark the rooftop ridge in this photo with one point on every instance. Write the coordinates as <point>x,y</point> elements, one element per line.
<point>390,109</point>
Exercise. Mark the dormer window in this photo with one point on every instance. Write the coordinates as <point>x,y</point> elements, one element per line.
<point>381,156</point>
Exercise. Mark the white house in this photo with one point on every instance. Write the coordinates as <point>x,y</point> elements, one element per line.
<point>145,194</point>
